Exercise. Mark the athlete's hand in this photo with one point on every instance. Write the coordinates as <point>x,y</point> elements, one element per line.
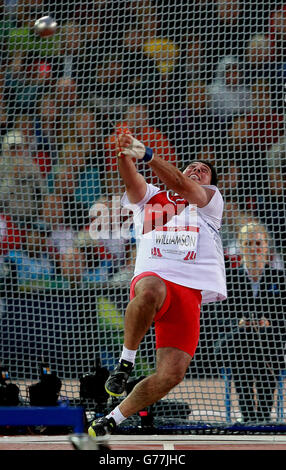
<point>128,145</point>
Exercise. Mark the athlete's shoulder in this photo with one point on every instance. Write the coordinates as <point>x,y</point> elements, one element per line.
<point>213,211</point>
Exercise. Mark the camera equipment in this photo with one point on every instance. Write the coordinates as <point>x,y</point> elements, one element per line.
<point>92,390</point>
<point>9,392</point>
<point>46,391</point>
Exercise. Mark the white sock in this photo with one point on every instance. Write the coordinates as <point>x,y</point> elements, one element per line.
<point>128,355</point>
<point>116,415</point>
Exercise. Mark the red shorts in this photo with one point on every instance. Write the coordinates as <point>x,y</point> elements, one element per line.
<point>177,323</point>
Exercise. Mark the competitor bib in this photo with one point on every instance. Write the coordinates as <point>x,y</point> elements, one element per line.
<point>177,240</point>
<point>179,243</point>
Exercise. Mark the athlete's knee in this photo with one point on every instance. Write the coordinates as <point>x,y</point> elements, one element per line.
<point>172,365</point>
<point>151,293</point>
<point>148,296</point>
<point>173,377</point>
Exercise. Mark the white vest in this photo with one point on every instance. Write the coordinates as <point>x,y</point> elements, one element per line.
<point>183,245</point>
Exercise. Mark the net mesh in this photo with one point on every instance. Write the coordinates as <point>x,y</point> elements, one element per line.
<point>192,80</point>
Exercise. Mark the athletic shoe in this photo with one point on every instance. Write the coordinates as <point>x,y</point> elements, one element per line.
<point>116,383</point>
<point>101,427</point>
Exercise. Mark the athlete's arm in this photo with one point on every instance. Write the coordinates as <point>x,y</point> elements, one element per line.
<point>135,183</point>
<point>175,180</point>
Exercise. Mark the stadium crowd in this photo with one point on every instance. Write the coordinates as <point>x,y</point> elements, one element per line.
<point>185,87</point>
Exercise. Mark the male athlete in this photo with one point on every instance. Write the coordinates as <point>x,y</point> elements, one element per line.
<point>179,266</point>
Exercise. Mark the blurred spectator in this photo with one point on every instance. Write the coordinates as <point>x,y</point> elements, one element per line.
<point>167,56</point>
<point>22,186</point>
<point>35,263</point>
<point>108,251</point>
<point>261,127</point>
<point>258,57</point>
<point>61,235</point>
<point>80,260</point>
<point>25,81</point>
<point>50,123</point>
<point>86,128</point>
<point>231,184</point>
<point>270,123</point>
<point>67,95</point>
<point>4,121</point>
<point>193,59</point>
<point>144,13</point>
<point>207,152</point>
<point>112,79</point>
<point>253,325</point>
<point>126,75</point>
<point>278,33</point>
<point>164,51</point>
<point>230,24</point>
<point>26,126</point>
<point>191,16</point>
<point>137,121</point>
<point>102,257</point>
<point>142,68</point>
<point>61,116</point>
<point>6,24</point>
<point>250,135</point>
<point>228,98</point>
<point>262,65</point>
<point>271,203</point>
<point>234,219</point>
<point>228,94</point>
<point>75,175</point>
<point>26,12</point>
<point>193,126</point>
<point>73,266</point>
<point>71,47</point>
<point>85,265</point>
<point>76,57</point>
<point>134,44</point>
<point>11,236</point>
<point>29,73</point>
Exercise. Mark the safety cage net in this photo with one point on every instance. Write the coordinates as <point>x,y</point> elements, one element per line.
<point>192,80</point>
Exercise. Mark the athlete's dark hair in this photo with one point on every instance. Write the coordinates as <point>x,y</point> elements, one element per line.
<point>214,179</point>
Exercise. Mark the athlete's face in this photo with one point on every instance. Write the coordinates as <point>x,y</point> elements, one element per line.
<point>199,172</point>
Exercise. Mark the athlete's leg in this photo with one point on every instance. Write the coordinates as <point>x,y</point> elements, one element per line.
<point>171,368</point>
<point>172,364</point>
<point>174,352</point>
<point>150,294</point>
